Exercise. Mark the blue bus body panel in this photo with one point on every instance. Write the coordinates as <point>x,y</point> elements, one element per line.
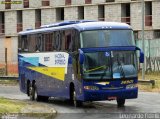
<point>111,89</point>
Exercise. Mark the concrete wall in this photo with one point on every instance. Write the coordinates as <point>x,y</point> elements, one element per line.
<point>156,15</point>
<point>122,0</point>
<point>48,16</point>
<point>78,2</point>
<point>113,12</point>
<point>98,1</point>
<point>136,16</point>
<point>17,6</point>
<point>35,3</point>
<point>2,6</point>
<point>71,13</point>
<point>2,50</point>
<point>28,19</point>
<point>91,12</point>
<point>10,23</point>
<point>57,3</point>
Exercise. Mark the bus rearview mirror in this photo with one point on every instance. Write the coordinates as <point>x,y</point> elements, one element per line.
<point>141,58</point>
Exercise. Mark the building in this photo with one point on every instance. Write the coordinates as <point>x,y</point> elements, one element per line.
<point>18,15</point>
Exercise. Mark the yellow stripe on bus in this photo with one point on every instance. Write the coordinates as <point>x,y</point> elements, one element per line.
<point>55,72</point>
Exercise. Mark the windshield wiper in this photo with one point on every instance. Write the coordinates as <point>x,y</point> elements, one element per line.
<point>104,72</point>
<point>121,68</point>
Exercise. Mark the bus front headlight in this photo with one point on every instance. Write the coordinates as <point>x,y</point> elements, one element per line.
<point>91,88</point>
<point>130,86</point>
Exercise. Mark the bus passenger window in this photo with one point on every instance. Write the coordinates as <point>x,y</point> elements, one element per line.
<point>24,43</point>
<point>57,41</point>
<point>48,43</point>
<point>32,43</point>
<point>38,43</point>
<point>68,40</point>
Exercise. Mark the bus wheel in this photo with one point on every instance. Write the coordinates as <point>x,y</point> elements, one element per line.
<point>31,92</point>
<point>120,102</point>
<point>38,97</point>
<point>76,102</point>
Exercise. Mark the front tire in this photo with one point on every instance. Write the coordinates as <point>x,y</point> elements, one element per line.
<point>74,100</point>
<point>120,102</point>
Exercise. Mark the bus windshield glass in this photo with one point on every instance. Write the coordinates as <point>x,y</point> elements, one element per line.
<point>108,65</point>
<point>124,64</point>
<point>97,65</point>
<point>104,38</point>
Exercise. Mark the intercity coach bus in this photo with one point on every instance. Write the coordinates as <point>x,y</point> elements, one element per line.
<point>80,61</point>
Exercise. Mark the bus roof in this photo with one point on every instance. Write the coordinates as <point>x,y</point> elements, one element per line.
<point>80,26</point>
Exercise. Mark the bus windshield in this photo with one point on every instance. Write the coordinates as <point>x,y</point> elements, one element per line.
<point>124,64</point>
<point>104,38</point>
<point>108,65</point>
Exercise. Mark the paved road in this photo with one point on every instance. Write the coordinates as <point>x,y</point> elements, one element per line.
<point>146,103</point>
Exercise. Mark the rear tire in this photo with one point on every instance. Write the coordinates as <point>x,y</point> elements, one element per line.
<point>31,92</point>
<point>34,95</point>
<point>120,102</point>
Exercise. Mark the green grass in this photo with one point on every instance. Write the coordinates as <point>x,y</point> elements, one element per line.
<point>10,106</point>
<point>8,82</point>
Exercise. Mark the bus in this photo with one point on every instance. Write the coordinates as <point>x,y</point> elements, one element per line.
<point>79,61</point>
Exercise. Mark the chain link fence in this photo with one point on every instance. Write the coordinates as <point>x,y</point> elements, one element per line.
<point>152,54</point>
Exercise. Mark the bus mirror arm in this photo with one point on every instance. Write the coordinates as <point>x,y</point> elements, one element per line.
<point>81,56</point>
<point>141,58</point>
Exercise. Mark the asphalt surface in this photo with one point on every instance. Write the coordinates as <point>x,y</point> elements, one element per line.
<point>147,104</point>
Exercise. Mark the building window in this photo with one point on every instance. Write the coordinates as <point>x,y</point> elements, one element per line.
<point>45,2</point>
<point>19,21</point>
<point>37,18</point>
<point>7,4</point>
<point>88,1</point>
<point>125,13</point>
<point>60,14</point>
<point>157,34</point>
<point>110,0</point>
<point>81,12</point>
<point>148,13</point>
<point>101,13</point>
<point>68,2</point>
<point>26,3</point>
<point>2,24</point>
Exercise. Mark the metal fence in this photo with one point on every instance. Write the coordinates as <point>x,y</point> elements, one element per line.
<point>152,54</point>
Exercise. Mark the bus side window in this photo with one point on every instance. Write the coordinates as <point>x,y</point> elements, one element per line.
<point>76,40</point>
<point>57,41</point>
<point>19,43</point>
<point>32,43</point>
<point>68,40</point>
<point>24,43</point>
<point>38,43</point>
<point>48,42</point>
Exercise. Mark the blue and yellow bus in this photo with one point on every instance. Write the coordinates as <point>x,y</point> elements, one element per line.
<point>80,61</point>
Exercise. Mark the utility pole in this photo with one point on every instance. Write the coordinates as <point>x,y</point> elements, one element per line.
<point>143,45</point>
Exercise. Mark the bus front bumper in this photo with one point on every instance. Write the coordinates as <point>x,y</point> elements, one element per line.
<point>100,95</point>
